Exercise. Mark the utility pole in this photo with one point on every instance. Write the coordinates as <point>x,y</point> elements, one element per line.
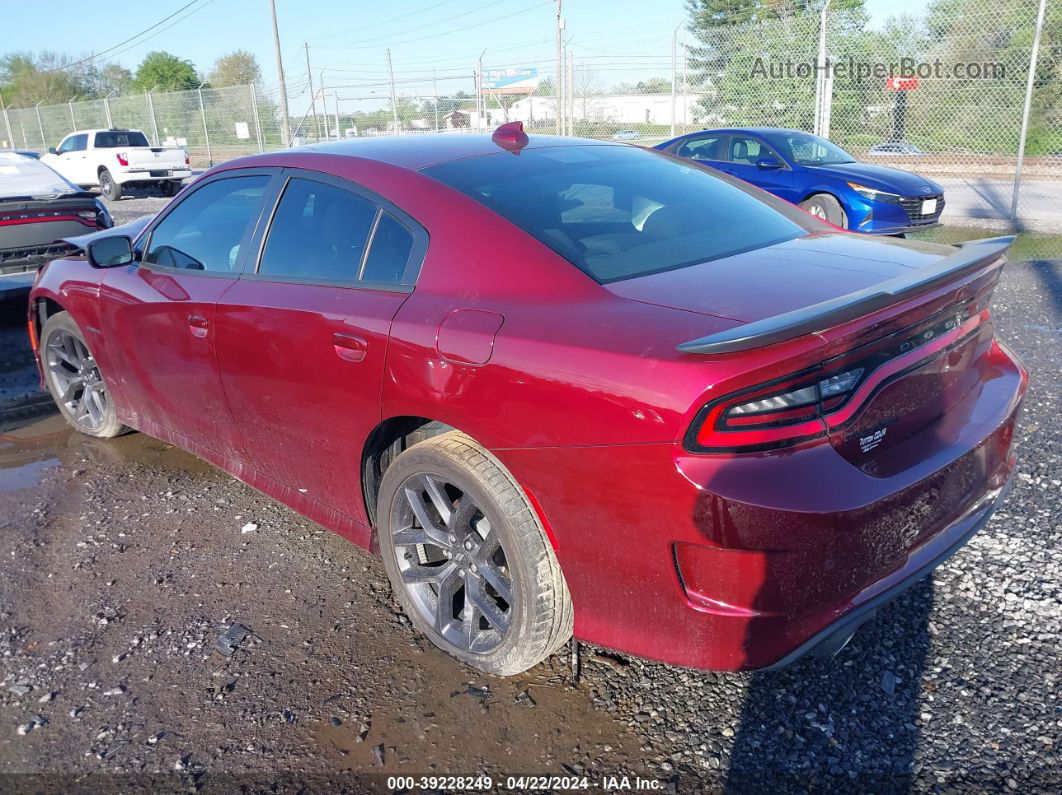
<point>570,93</point>
<point>394,99</point>
<point>558,88</point>
<point>435,96</point>
<point>685,85</point>
<point>313,96</point>
<point>481,102</point>
<point>1034,56</point>
<point>335,98</point>
<point>674,74</point>
<point>284,131</point>
<point>823,82</point>
<point>324,105</point>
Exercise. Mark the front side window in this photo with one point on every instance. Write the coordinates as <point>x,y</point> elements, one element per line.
<point>708,147</point>
<point>809,150</point>
<point>75,143</point>
<point>746,151</point>
<point>319,232</point>
<point>204,232</point>
<point>112,139</point>
<point>617,212</point>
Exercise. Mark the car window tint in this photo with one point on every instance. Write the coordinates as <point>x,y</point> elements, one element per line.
<point>746,150</point>
<point>75,143</point>
<point>319,231</point>
<point>389,252</point>
<point>115,138</point>
<point>704,148</point>
<point>205,230</point>
<point>651,213</point>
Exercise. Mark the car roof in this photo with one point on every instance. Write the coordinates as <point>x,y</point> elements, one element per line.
<point>422,150</point>
<point>22,176</point>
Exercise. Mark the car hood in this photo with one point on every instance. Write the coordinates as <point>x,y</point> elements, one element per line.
<point>791,275</point>
<point>25,179</point>
<point>884,178</point>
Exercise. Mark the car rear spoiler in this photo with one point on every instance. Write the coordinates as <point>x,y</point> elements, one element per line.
<point>971,256</point>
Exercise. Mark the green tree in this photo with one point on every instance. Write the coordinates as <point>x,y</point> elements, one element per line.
<point>237,68</point>
<point>112,79</point>
<point>48,77</point>
<point>166,72</point>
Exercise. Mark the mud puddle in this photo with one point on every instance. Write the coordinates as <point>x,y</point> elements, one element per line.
<point>30,451</point>
<point>454,721</point>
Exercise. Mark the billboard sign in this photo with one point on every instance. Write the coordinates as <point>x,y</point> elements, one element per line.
<point>901,83</point>
<point>510,81</point>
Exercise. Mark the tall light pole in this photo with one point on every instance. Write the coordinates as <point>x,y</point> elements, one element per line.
<point>558,88</point>
<point>284,132</point>
<point>823,83</point>
<point>394,99</point>
<point>674,74</point>
<point>313,96</point>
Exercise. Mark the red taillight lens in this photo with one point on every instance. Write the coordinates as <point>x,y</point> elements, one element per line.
<point>187,161</point>
<point>122,159</point>
<point>773,415</point>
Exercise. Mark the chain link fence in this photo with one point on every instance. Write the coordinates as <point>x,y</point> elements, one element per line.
<point>959,120</point>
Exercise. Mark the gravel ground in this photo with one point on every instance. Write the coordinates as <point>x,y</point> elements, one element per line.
<point>122,561</point>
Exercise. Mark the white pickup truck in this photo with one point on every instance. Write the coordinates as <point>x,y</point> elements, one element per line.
<point>117,158</point>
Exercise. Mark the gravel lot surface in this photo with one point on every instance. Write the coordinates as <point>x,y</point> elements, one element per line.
<point>121,562</point>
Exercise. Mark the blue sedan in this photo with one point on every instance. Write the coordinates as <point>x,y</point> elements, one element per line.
<point>819,176</point>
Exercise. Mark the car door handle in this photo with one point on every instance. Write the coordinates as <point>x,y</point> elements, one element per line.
<point>350,347</point>
<point>198,325</point>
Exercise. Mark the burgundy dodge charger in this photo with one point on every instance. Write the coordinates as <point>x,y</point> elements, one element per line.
<point>559,385</point>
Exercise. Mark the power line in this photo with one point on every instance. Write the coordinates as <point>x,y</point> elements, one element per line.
<point>163,30</point>
<point>443,33</point>
<point>385,22</point>
<point>119,44</point>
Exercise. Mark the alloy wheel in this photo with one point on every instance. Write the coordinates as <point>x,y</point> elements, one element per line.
<point>451,563</point>
<point>77,380</point>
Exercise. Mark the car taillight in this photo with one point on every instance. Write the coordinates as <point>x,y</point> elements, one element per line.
<point>777,414</point>
<point>187,160</point>
<point>88,215</point>
<point>793,409</point>
<point>122,159</point>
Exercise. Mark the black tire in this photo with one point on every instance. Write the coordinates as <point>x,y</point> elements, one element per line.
<point>169,188</point>
<point>539,616</point>
<point>110,190</point>
<point>79,392</point>
<point>826,207</point>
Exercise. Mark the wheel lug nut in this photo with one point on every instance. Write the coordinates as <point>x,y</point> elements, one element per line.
<point>448,554</point>
<point>474,568</point>
<point>468,545</point>
<point>461,573</point>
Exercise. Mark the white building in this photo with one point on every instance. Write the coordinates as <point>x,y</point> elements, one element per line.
<point>616,108</point>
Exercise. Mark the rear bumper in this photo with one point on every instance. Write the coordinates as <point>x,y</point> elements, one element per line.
<point>832,638</point>
<point>747,562</point>
<point>124,177</point>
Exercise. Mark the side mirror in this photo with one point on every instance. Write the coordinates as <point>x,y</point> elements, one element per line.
<point>51,150</point>
<point>110,252</point>
<point>768,162</point>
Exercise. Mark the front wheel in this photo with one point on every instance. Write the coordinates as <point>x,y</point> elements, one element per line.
<point>74,379</point>
<point>110,189</point>
<point>468,558</point>
<point>827,208</point>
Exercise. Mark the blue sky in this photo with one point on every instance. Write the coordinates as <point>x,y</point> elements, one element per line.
<point>348,39</point>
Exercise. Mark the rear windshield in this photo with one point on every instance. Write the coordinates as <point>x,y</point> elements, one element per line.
<point>617,212</point>
<point>115,138</point>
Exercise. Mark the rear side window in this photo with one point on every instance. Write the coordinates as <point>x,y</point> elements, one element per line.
<point>319,232</point>
<point>389,254</point>
<point>204,232</point>
<point>112,139</point>
<point>618,212</point>
<point>708,147</point>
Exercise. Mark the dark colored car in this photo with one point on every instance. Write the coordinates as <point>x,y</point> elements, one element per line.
<point>820,176</point>
<point>38,208</point>
<point>555,381</point>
